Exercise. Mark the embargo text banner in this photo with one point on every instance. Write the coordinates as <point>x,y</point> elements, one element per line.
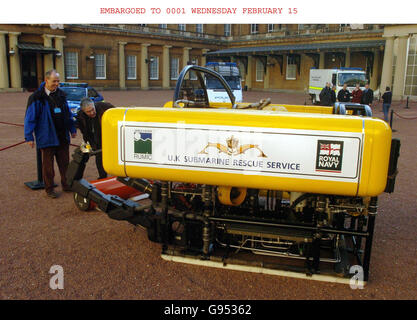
<point>243,11</point>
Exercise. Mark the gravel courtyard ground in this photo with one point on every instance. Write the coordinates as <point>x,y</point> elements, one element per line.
<point>106,259</point>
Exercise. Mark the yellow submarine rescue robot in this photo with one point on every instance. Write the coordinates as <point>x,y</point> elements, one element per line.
<point>281,189</point>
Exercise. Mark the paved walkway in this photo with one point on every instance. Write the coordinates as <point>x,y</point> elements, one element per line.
<point>106,259</point>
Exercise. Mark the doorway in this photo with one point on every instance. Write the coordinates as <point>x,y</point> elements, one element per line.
<point>29,71</point>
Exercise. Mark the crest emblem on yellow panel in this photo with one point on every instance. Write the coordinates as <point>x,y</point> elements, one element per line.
<point>232,147</point>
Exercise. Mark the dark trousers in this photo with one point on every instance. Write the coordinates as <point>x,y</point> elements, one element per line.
<point>61,153</point>
<point>385,108</point>
<point>99,163</point>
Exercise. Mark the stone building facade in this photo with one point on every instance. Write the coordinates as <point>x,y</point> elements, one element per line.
<point>270,56</point>
<point>279,57</point>
<point>105,56</point>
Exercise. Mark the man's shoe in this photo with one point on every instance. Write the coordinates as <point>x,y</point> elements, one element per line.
<point>66,189</point>
<point>52,194</point>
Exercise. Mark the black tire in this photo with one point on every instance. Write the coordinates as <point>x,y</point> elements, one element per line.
<point>82,203</point>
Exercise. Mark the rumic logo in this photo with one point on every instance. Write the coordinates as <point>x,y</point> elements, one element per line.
<point>142,140</point>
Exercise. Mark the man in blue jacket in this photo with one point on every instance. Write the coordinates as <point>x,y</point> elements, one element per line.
<point>48,116</point>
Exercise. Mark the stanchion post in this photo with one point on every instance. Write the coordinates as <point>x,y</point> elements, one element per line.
<point>391,116</point>
<point>391,119</point>
<point>406,106</point>
<point>38,184</point>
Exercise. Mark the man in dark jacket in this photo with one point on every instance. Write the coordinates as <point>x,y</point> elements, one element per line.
<point>367,96</point>
<point>89,123</point>
<point>48,116</point>
<point>333,95</point>
<point>386,104</point>
<point>344,94</point>
<point>326,95</point>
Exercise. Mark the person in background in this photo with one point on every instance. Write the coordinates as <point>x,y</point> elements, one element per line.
<point>367,96</point>
<point>326,95</point>
<point>357,94</point>
<point>89,123</point>
<point>48,116</point>
<point>333,95</point>
<point>386,102</point>
<point>343,94</point>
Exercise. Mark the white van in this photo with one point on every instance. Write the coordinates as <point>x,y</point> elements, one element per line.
<point>337,77</point>
<point>230,72</point>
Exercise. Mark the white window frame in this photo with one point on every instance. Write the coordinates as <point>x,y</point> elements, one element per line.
<point>177,62</point>
<point>410,88</point>
<point>286,71</point>
<point>182,27</point>
<point>104,66</point>
<point>163,26</point>
<point>254,28</point>
<point>227,30</point>
<point>131,67</point>
<point>197,27</point>
<point>76,63</point>
<point>259,69</point>
<point>271,29</point>
<point>155,60</point>
<point>343,27</point>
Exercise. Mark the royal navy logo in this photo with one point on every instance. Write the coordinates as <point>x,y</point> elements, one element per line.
<point>329,156</point>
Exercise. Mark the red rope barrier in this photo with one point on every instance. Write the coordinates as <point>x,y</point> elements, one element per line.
<point>21,125</point>
<point>413,118</point>
<point>12,124</point>
<point>13,145</point>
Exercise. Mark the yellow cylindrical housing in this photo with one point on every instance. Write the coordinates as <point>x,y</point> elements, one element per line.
<point>275,150</point>
<point>224,195</point>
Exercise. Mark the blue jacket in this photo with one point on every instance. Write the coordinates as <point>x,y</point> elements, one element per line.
<point>38,119</point>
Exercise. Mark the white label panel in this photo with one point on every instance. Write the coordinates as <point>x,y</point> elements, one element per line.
<point>308,154</point>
